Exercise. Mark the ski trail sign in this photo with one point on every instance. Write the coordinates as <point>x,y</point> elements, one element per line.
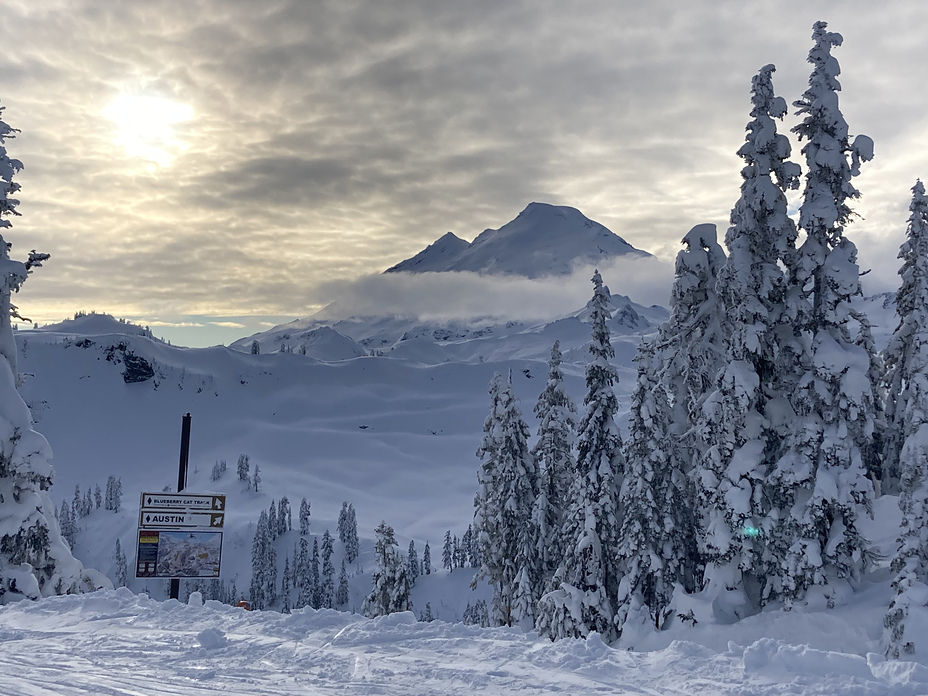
<point>180,535</point>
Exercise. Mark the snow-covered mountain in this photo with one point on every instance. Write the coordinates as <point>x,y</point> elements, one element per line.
<point>543,240</point>
<point>475,340</point>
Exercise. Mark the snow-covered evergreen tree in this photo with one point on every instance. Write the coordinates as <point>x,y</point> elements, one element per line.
<point>553,451</point>
<point>821,476</point>
<point>304,519</point>
<point>67,524</point>
<point>97,497</point>
<point>447,552</point>
<point>907,444</point>
<point>272,528</point>
<point>270,573</point>
<point>657,543</point>
<point>327,579</point>
<point>315,579</point>
<point>341,593</point>
<point>740,439</point>
<point>412,560</point>
<point>256,478</point>
<point>390,591</point>
<point>587,578</point>
<point>285,585</point>
<point>903,356</point>
<point>426,615</point>
<point>284,516</point>
<point>122,566</point>
<point>77,504</point>
<point>34,559</point>
<point>508,485</point>
<point>219,468</point>
<point>427,560</point>
<point>259,563</point>
<point>303,581</point>
<point>243,467</point>
<point>348,531</point>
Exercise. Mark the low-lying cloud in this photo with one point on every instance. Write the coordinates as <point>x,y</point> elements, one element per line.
<point>466,295</point>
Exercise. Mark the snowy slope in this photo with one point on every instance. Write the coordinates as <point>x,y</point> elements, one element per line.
<point>396,436</point>
<point>117,643</point>
<point>543,240</point>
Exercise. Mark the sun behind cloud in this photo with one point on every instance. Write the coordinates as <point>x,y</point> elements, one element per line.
<point>146,126</point>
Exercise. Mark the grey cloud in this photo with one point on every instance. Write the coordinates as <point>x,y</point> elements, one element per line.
<point>332,139</point>
<point>277,180</point>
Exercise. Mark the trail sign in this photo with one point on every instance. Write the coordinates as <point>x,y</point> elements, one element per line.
<point>180,535</point>
<point>175,501</point>
<point>180,519</point>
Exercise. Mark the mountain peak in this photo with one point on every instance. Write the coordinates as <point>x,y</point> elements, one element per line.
<point>543,240</point>
<point>435,256</point>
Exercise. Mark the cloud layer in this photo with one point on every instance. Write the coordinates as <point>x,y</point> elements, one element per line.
<point>332,139</point>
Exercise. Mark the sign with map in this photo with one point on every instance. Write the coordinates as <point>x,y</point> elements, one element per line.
<point>180,536</point>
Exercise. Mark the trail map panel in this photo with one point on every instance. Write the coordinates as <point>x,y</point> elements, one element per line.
<point>178,554</point>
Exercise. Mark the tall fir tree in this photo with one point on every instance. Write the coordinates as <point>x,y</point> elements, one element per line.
<point>303,578</point>
<point>304,518</point>
<point>553,451</point>
<point>341,593</point>
<point>585,599</point>
<point>327,579</point>
<point>741,441</point>
<point>315,579</point>
<point>34,560</point>
<point>272,528</point>
<point>657,550</point>
<point>907,443</point>
<point>67,524</point>
<point>259,563</point>
<point>412,560</point>
<point>348,531</point>
<point>284,516</point>
<point>285,585</point>
<point>821,476</point>
<point>508,486</point>
<point>390,582</point>
<point>903,359</point>
<point>122,566</point>
<point>243,468</point>
<point>447,557</point>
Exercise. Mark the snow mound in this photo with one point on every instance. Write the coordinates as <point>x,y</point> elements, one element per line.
<point>322,343</point>
<point>94,324</point>
<point>118,642</point>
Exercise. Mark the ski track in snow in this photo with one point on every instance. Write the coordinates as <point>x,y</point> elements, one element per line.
<point>120,644</point>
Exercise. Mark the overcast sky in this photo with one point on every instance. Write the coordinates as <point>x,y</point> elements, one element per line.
<point>217,162</point>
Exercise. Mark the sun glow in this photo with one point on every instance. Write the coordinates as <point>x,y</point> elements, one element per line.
<point>146,126</point>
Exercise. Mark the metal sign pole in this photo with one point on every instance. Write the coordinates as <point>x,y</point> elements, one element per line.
<point>182,480</point>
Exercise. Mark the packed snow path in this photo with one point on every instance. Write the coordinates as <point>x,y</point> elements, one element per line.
<point>117,643</point>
